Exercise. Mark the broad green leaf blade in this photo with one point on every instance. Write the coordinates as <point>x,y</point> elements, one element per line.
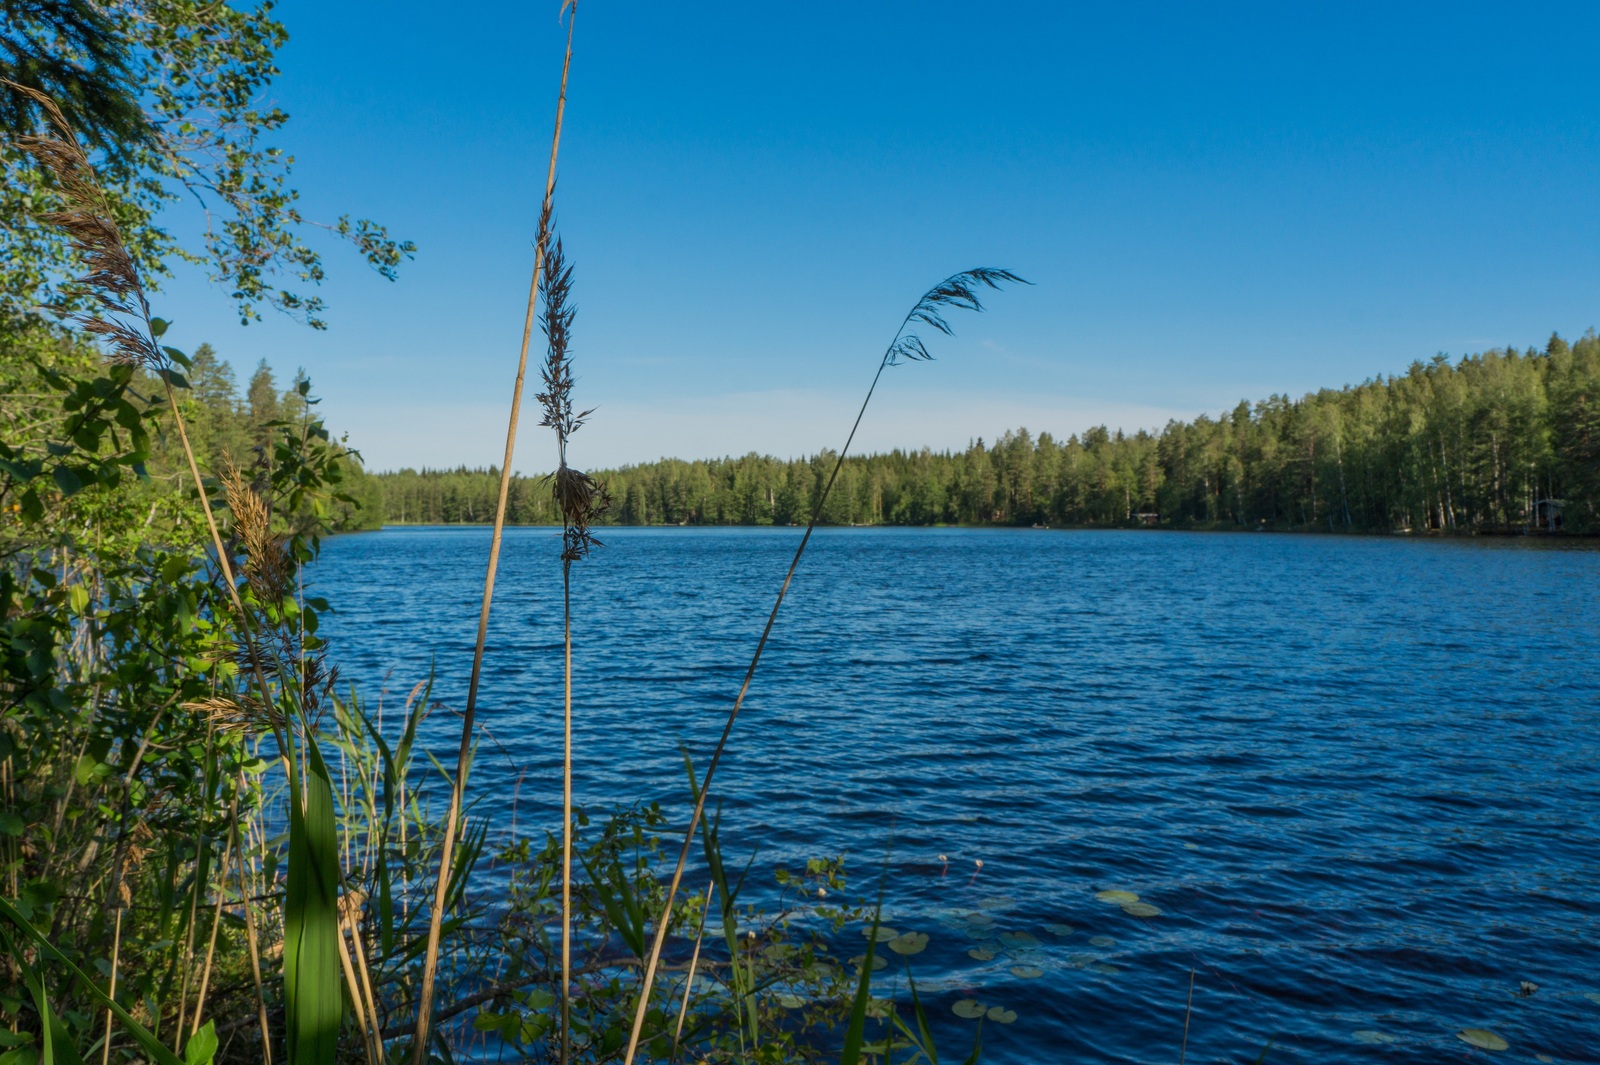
<point>202,1046</point>
<point>313,997</point>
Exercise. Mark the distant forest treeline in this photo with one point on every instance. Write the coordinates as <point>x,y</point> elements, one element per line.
<point>1502,441</point>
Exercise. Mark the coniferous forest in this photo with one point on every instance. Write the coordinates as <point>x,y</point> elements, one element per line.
<point>1503,441</point>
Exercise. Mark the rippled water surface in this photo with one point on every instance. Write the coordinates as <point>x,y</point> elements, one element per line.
<point>1360,778</point>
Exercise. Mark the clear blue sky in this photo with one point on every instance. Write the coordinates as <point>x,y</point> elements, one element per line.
<point>1215,202</point>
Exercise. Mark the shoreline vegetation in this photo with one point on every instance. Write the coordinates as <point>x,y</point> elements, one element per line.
<point>1504,442</point>
<point>211,849</point>
<point>214,850</point>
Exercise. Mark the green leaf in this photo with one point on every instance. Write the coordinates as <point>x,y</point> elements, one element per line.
<point>10,823</point>
<point>968,1009</point>
<point>1482,1038</point>
<point>158,328</point>
<point>909,943</point>
<point>1369,1035</point>
<point>66,480</point>
<point>202,1046</point>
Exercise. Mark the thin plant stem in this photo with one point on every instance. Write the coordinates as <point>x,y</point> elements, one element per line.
<point>116,950</point>
<point>211,946</point>
<point>957,290</point>
<point>1187,1010</point>
<point>254,942</point>
<point>566,819</point>
<point>359,947</point>
<point>694,961</point>
<point>727,729</point>
<point>354,987</point>
<point>430,964</point>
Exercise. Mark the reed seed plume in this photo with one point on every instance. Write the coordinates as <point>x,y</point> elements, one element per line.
<point>267,565</point>
<point>959,291</point>
<point>93,233</point>
<point>240,713</point>
<point>580,497</point>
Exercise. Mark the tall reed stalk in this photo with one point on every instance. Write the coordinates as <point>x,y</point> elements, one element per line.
<point>959,292</point>
<point>430,963</point>
<point>580,499</point>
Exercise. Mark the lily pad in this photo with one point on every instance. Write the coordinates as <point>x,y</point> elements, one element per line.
<point>909,943</point>
<point>1103,968</point>
<point>1001,1015</point>
<point>1062,930</point>
<point>1141,909</point>
<point>780,951</point>
<point>1019,940</point>
<point>968,1008</point>
<point>1080,961</point>
<point>885,933</point>
<point>879,1007</point>
<point>979,954</point>
<point>1102,941</point>
<point>1116,898</point>
<point>1191,846</point>
<point>878,961</point>
<point>1482,1038</point>
<point>980,933</point>
<point>997,902</point>
<point>980,918</point>
<point>790,1002</point>
<point>1592,996</point>
<point>1026,972</point>
<point>1368,1035</point>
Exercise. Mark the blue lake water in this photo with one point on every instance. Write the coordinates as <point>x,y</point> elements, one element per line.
<point>1360,778</point>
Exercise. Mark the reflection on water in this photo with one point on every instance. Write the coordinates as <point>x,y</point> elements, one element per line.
<point>1352,784</point>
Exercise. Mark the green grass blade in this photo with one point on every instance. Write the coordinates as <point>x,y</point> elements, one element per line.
<point>922,1038</point>
<point>55,1046</point>
<point>147,1041</point>
<point>855,1031</point>
<point>313,996</point>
